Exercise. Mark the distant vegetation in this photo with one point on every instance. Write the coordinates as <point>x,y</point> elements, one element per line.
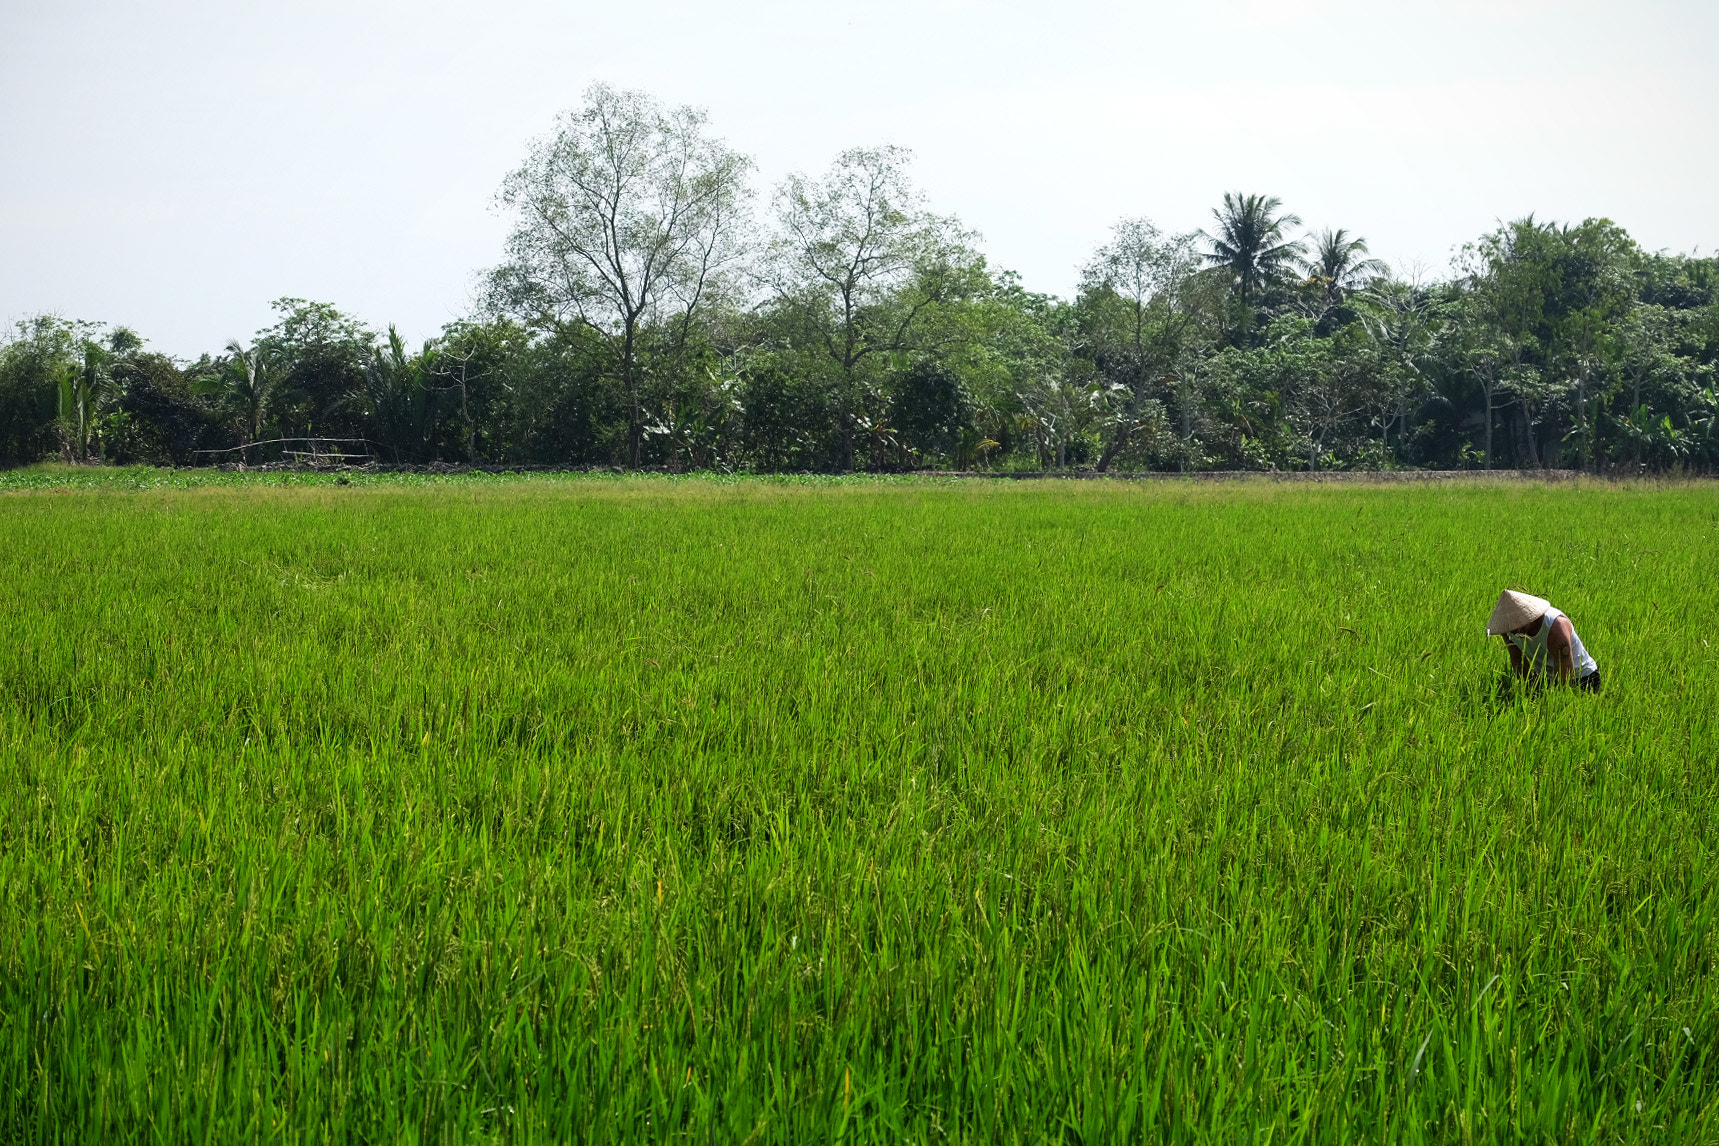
<point>649,312</point>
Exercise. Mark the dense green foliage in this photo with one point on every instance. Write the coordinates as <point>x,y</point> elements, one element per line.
<point>1386,375</point>
<point>641,316</point>
<point>785,810</point>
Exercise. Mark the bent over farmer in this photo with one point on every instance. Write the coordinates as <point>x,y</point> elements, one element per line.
<point>1542,642</point>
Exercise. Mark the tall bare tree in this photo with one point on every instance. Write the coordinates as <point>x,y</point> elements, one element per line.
<point>858,249</point>
<point>1137,287</point>
<point>625,218</point>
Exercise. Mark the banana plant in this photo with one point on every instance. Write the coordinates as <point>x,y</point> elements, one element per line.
<point>972,448</point>
<point>1704,423</point>
<point>84,393</point>
<point>1658,437</point>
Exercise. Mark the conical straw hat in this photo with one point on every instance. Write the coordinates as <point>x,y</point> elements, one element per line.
<point>1515,610</point>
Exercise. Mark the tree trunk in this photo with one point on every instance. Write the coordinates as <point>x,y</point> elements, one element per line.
<point>466,417</point>
<point>630,381</point>
<point>1585,456</point>
<point>1115,447</point>
<point>1182,393</point>
<point>1487,390</point>
<point>1635,404</point>
<point>1126,430</point>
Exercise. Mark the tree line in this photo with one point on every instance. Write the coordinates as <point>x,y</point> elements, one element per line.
<point>649,311</point>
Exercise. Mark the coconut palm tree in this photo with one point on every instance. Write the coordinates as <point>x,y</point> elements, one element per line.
<point>1250,241</point>
<point>399,402</point>
<point>252,378</point>
<point>1339,264</point>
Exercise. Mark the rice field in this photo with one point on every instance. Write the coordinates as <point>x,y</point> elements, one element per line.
<point>551,809</point>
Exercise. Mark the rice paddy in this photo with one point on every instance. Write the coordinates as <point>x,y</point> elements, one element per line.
<point>552,809</point>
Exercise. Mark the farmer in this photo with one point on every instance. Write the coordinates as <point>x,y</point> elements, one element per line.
<point>1542,642</point>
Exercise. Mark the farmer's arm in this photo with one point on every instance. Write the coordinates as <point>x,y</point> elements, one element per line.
<point>1559,650</point>
<point>1516,664</point>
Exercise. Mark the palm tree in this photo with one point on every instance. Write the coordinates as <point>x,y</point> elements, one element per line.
<point>1250,241</point>
<point>252,380</point>
<point>1339,264</point>
<point>398,401</point>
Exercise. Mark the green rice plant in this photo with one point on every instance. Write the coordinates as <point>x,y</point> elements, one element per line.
<point>547,809</point>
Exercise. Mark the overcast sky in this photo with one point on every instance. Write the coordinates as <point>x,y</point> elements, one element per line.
<point>176,165</point>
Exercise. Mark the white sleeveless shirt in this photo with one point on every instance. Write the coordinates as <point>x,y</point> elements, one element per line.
<point>1534,648</point>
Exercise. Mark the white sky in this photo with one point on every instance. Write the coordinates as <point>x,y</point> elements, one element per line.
<point>176,164</point>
